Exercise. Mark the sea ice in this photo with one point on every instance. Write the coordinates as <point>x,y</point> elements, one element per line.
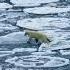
<point>13,38</point>
<point>65,52</point>
<point>57,62</point>
<point>4,26</point>
<point>5,6</point>
<point>47,52</point>
<point>46,10</point>
<point>24,50</point>
<point>43,23</point>
<point>5,53</point>
<point>31,2</point>
<point>45,61</point>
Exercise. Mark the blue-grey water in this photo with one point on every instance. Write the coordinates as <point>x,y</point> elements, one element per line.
<point>16,54</point>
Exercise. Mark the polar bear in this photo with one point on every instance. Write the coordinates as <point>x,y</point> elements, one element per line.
<point>38,37</point>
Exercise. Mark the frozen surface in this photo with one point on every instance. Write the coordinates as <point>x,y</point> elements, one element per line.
<point>48,52</point>
<point>65,52</point>
<point>43,23</point>
<point>5,5</point>
<point>7,27</point>
<point>46,10</point>
<point>13,52</point>
<point>59,47</point>
<point>5,53</point>
<point>56,62</point>
<point>24,49</point>
<point>13,38</point>
<point>44,61</point>
<point>31,2</point>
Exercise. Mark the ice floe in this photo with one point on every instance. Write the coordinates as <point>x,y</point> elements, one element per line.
<point>13,38</point>
<point>31,2</point>
<point>4,26</point>
<point>46,10</point>
<point>39,61</point>
<point>5,53</point>
<point>47,52</point>
<point>5,6</point>
<point>13,14</point>
<point>24,50</point>
<point>57,47</point>
<point>0,68</point>
<point>52,45</point>
<point>7,28</point>
<point>57,62</point>
<point>65,52</point>
<point>43,23</point>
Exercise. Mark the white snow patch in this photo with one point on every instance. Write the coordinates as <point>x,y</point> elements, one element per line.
<point>59,47</point>
<point>45,46</point>
<point>7,27</point>
<point>24,50</point>
<point>30,2</point>
<point>47,52</point>
<point>5,53</point>
<point>13,38</point>
<point>3,19</point>
<point>57,62</point>
<point>0,68</point>
<point>49,62</point>
<point>43,23</point>
<point>11,59</point>
<point>46,10</point>
<point>65,52</point>
<point>5,5</point>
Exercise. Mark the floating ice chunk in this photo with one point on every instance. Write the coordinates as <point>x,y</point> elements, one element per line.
<point>65,52</point>
<point>40,61</point>
<point>24,3</point>
<point>14,15</point>
<point>11,59</point>
<point>26,24</point>
<point>13,38</point>
<point>18,50</point>
<point>45,46</point>
<point>59,47</point>
<point>5,53</point>
<point>47,52</point>
<point>57,62</point>
<point>5,6</point>
<point>31,2</point>
<point>7,27</point>
<point>3,19</point>
<point>46,10</point>
<point>43,23</point>
<point>0,68</point>
<point>54,41</point>
<point>14,10</point>
<point>24,49</point>
<point>27,64</point>
<point>27,5</point>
